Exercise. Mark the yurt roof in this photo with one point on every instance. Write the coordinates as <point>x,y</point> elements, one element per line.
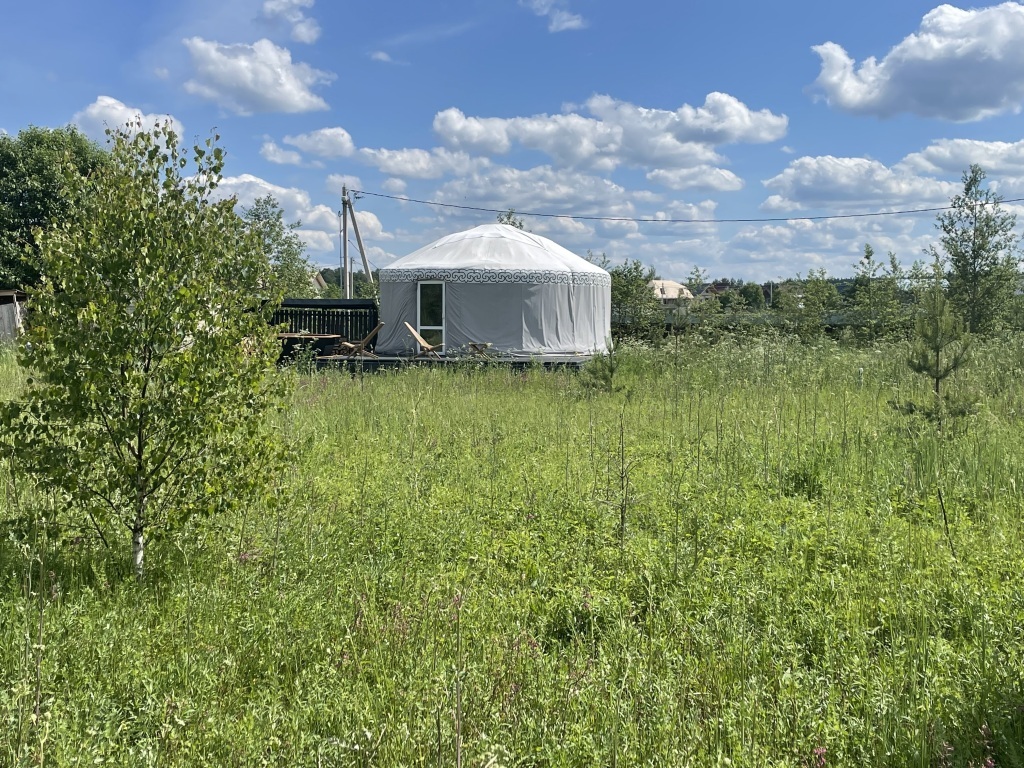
<point>495,253</point>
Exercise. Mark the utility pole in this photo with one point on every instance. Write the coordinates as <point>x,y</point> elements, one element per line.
<point>359,242</point>
<point>346,267</point>
<point>346,263</point>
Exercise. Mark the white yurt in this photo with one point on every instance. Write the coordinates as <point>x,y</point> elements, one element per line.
<point>519,293</point>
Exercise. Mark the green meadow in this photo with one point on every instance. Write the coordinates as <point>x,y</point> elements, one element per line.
<point>751,553</point>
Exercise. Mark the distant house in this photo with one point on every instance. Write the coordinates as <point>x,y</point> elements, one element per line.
<point>713,290</point>
<point>669,292</point>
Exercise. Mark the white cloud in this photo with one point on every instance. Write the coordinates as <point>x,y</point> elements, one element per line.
<point>370,227</point>
<point>699,177</point>
<point>253,78</point>
<point>336,181</point>
<point>1002,161</point>
<point>108,112</point>
<point>294,202</point>
<point>695,211</point>
<point>850,183</point>
<point>489,135</point>
<point>378,257</point>
<point>421,164</point>
<point>303,28</point>
<point>321,217</point>
<point>542,189</point>
<point>778,204</point>
<point>326,142</point>
<point>722,119</point>
<point>306,31</point>
<point>619,133</point>
<point>571,140</point>
<point>569,226</point>
<point>961,65</point>
<point>316,241</point>
<point>394,186</point>
<point>275,154</point>
<point>560,19</point>
<point>689,219</point>
<point>380,56</point>
<point>319,222</point>
<point>956,155</point>
<point>674,259</point>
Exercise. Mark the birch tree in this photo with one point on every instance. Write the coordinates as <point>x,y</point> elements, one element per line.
<point>876,299</point>
<point>282,246</point>
<point>149,346</point>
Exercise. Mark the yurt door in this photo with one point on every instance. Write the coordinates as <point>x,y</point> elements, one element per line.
<point>430,311</point>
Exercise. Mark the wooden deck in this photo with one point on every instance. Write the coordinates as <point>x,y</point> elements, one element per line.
<point>386,363</point>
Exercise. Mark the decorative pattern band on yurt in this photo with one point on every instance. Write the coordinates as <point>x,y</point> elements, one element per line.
<point>495,286</point>
<point>494,276</point>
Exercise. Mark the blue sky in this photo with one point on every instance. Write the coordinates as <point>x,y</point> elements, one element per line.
<point>588,110</point>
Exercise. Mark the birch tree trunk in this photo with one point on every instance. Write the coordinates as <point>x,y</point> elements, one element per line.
<point>138,547</point>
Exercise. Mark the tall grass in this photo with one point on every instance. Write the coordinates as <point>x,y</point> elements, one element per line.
<point>739,556</point>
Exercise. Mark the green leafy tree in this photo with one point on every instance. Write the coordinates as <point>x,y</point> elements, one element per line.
<point>982,250</point>
<point>704,310</point>
<point>806,303</point>
<point>362,288</point>
<point>34,192</point>
<point>733,301</point>
<point>697,280</point>
<point>635,308</point>
<point>509,217</point>
<point>940,344</point>
<point>877,300</point>
<point>150,347</point>
<point>753,295</point>
<point>705,306</point>
<point>283,247</point>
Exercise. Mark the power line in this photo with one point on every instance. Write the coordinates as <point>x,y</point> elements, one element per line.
<point>640,220</point>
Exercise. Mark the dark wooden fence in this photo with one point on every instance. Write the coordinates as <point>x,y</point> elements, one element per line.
<point>351,319</point>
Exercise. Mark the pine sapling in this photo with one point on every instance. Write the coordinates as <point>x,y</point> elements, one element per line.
<point>940,344</point>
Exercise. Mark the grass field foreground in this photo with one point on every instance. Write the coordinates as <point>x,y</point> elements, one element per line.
<point>753,553</point>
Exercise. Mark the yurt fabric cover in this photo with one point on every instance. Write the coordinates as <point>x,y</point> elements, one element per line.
<point>521,293</point>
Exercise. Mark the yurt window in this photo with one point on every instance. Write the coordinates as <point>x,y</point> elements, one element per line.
<point>430,312</point>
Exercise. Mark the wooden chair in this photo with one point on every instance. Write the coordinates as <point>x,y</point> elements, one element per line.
<point>426,350</point>
<point>352,349</point>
